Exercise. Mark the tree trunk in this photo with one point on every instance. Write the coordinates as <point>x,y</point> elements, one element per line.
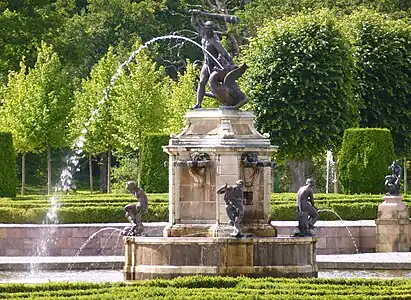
<point>90,169</point>
<point>103,172</point>
<point>300,172</point>
<point>49,169</point>
<point>23,173</point>
<point>108,169</point>
<point>405,175</point>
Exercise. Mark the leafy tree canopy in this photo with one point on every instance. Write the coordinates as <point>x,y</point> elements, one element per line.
<point>301,81</point>
<point>382,54</point>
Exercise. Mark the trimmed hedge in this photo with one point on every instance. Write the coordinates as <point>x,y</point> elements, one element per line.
<point>8,172</point>
<point>154,174</point>
<point>364,159</point>
<point>103,208</point>
<point>207,287</point>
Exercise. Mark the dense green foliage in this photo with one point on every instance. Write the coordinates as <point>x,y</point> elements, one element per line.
<point>198,287</point>
<point>154,171</point>
<point>382,52</point>
<point>104,208</point>
<point>181,99</point>
<point>140,98</point>
<point>8,176</point>
<point>365,156</point>
<point>258,11</point>
<point>300,78</point>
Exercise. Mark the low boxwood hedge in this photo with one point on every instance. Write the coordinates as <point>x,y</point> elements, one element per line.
<point>107,208</point>
<point>198,287</point>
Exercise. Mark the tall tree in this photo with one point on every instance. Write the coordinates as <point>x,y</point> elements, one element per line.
<point>15,116</point>
<point>92,123</point>
<point>140,101</point>
<point>301,81</point>
<point>382,52</point>
<point>50,103</point>
<point>182,98</point>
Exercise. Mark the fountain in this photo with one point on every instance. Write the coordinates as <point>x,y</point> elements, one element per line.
<point>219,147</point>
<point>197,239</point>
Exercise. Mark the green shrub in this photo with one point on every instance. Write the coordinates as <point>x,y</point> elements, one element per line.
<point>8,175</point>
<point>154,173</point>
<point>364,159</point>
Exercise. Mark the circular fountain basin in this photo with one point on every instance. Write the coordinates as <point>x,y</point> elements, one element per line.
<point>168,257</point>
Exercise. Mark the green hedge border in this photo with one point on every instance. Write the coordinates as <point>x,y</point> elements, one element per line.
<point>109,208</point>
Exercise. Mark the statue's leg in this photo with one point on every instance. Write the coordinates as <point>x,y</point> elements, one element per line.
<point>304,224</point>
<point>130,218</point>
<point>240,213</point>
<point>300,220</point>
<point>313,213</point>
<point>230,213</point>
<point>204,76</point>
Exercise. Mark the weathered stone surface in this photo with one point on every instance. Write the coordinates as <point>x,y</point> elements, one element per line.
<point>170,257</point>
<point>392,233</point>
<point>224,135</point>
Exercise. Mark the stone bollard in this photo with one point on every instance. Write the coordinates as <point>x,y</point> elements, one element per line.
<point>392,225</point>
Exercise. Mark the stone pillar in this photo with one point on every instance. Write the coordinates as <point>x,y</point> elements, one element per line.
<point>392,225</point>
<point>223,136</point>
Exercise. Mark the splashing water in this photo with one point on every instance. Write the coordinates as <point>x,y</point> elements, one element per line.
<point>47,234</point>
<point>346,227</point>
<point>330,166</point>
<point>89,239</point>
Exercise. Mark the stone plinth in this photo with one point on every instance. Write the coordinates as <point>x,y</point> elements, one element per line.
<point>168,257</point>
<point>392,225</point>
<point>223,136</point>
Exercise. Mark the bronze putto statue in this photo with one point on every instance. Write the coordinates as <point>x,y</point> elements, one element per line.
<point>392,182</point>
<point>134,211</point>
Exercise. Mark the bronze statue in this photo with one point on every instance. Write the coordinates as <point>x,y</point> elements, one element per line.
<point>218,66</point>
<point>307,213</point>
<point>135,211</point>
<point>224,86</point>
<point>392,182</point>
<point>234,204</point>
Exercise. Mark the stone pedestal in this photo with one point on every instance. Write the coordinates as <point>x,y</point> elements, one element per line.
<point>222,137</point>
<point>392,225</point>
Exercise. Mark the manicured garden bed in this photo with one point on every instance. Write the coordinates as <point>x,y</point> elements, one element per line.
<point>216,288</point>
